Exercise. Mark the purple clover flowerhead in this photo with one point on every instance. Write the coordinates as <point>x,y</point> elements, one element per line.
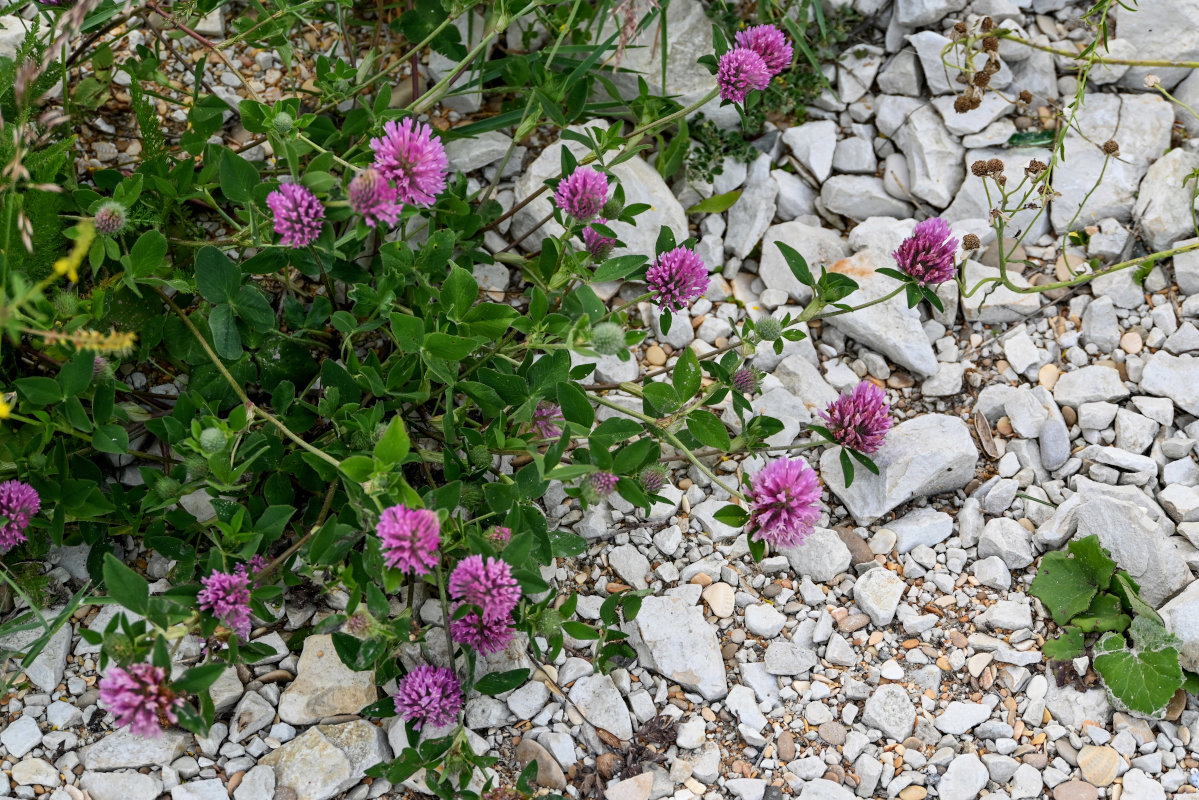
<point>603,483</point>
<point>653,477</point>
<point>928,254</point>
<point>298,214</point>
<point>740,71</point>
<point>768,42</point>
<point>137,696</point>
<point>500,534</point>
<point>784,502</point>
<point>582,194</point>
<point>110,218</point>
<point>373,196</point>
<point>18,503</point>
<point>860,419</point>
<point>746,380</point>
<point>411,537</point>
<point>410,155</point>
<point>485,637</point>
<point>227,597</point>
<point>429,696</point>
<point>546,419</point>
<point>486,583</point>
<point>678,277</point>
<point>596,244</point>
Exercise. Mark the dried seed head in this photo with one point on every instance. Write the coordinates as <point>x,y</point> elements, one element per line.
<point>988,24</point>
<point>1025,96</point>
<point>1111,148</point>
<point>990,44</point>
<point>995,166</point>
<point>1035,167</point>
<point>959,30</point>
<point>971,242</point>
<point>979,169</point>
<point>982,79</point>
<point>961,104</point>
<point>1001,180</point>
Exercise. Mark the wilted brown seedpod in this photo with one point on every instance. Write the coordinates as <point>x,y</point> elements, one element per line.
<point>1111,148</point>
<point>971,242</point>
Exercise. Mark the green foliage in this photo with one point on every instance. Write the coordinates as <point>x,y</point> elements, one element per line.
<point>1085,593</point>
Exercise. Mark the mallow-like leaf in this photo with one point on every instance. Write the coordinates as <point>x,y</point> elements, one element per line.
<point>1144,677</point>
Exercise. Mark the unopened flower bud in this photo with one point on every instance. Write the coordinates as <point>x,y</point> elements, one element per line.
<point>480,456</point>
<point>283,122</point>
<point>769,329</point>
<point>653,477</point>
<point>607,338</point>
<point>612,209</point>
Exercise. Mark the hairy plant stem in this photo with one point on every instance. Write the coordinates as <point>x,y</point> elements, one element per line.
<point>239,391</point>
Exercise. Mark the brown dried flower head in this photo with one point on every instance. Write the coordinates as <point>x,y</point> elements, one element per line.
<point>988,24</point>
<point>1111,148</point>
<point>1025,96</point>
<point>962,104</point>
<point>991,44</point>
<point>971,242</point>
<point>982,79</point>
<point>995,166</point>
<point>979,169</point>
<point>1035,167</point>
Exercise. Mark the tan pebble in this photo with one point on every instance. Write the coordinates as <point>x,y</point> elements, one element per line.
<point>708,714</point>
<point>1098,764</point>
<point>1027,523</point>
<point>721,341</point>
<point>700,578</point>
<point>235,780</point>
<point>1047,376</point>
<point>655,355</point>
<point>1069,415</point>
<point>1004,426</point>
<point>913,793</point>
<point>900,380</point>
<point>685,484</point>
<point>1131,343</point>
<point>1067,264</point>
<point>1001,366</point>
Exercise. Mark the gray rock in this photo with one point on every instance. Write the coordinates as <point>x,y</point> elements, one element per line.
<point>1100,326</point>
<point>814,144</point>
<point>861,196</point>
<point>993,572</point>
<point>795,198</point>
<point>1007,539</point>
<point>965,778</point>
<point>877,592</point>
<point>753,212</point>
<point>326,760</point>
<point>1181,615</point>
<point>21,736</point>
<point>923,456</point>
<point>1175,377</point>
<point>822,556</point>
<point>529,699</point>
<point>1090,385</point>
<point>258,782</point>
<point>744,704</point>
<point>1164,204</point>
<point>252,714</point>
<point>226,691</point>
<point>1137,543</point>
<point>959,717</point>
<point>673,639</point>
<point>889,709</point>
<point>1141,124</point>
<point>925,526</point>
<point>934,157</point>
<point>890,327</point>
<point>468,155</point>
<point>324,686</point>
<point>788,658</point>
<point>838,652</point>
<point>125,750</point>
<point>13,30</point>
<point>630,565</point>
<point>46,671</point>
<point>921,13</point>
<point>764,620</point>
<point>211,789</point>
<point>690,38</point>
<point>822,789</point>
<point>1009,615</point>
<point>1150,32</point>
<point>122,786</point>
<point>641,183</point>
<point>990,109</point>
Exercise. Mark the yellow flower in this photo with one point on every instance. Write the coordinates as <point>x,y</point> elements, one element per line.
<point>63,266</point>
<point>5,409</point>
<point>69,265</point>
